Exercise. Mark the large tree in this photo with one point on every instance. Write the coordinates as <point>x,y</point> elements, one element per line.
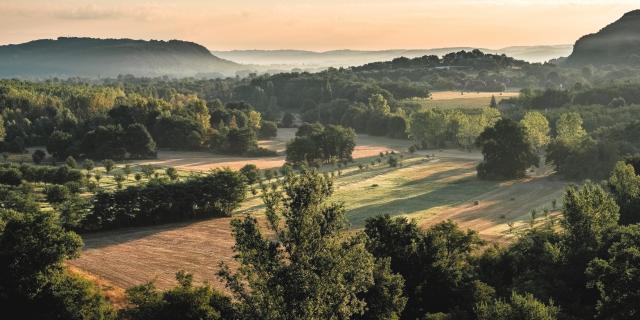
<point>569,130</point>
<point>507,151</point>
<point>536,126</point>
<point>306,268</point>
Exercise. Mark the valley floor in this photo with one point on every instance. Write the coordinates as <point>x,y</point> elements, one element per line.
<point>429,187</point>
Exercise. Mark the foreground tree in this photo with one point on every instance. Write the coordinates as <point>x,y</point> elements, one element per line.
<point>184,302</point>
<point>625,186</point>
<point>507,151</point>
<point>307,269</point>
<point>616,276</point>
<point>519,307</point>
<point>33,281</point>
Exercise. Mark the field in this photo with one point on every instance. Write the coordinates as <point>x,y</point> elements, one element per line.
<point>202,161</point>
<point>429,187</point>
<point>454,99</point>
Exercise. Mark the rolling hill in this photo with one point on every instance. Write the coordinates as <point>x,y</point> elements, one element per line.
<point>617,44</point>
<point>347,58</point>
<point>95,58</point>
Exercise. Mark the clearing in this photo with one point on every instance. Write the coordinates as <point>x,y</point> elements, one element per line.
<point>456,100</point>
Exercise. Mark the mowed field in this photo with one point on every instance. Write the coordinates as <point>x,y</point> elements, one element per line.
<point>367,146</point>
<point>429,187</point>
<point>456,99</point>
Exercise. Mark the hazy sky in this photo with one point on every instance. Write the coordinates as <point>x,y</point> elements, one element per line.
<point>314,24</point>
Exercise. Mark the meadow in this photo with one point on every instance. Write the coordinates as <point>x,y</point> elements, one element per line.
<point>428,186</point>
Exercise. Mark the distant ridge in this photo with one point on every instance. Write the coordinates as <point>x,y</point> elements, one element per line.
<point>618,43</point>
<point>90,57</point>
<point>345,58</point>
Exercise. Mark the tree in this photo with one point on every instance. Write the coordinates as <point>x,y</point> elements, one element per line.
<point>250,171</point>
<point>519,307</point>
<point>379,105</point>
<point>108,165</point>
<point>589,214</point>
<point>33,281</point>
<point>536,127</point>
<point>71,162</point>
<point>307,269</point>
<point>493,103</point>
<point>172,173</point>
<point>287,120</point>
<point>506,150</point>
<point>435,263</point>
<point>88,164</point>
<point>59,144</point>
<point>38,156</point>
<point>138,142</point>
<point>182,302</point>
<point>625,186</point>
<point>616,276</point>
<point>57,193</point>
<point>268,129</point>
<point>239,141</point>
<point>3,132</point>
<point>569,129</point>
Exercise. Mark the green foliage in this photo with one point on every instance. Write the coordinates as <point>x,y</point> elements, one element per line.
<point>216,194</point>
<point>315,142</point>
<point>287,120</point>
<point>71,162</point>
<point>306,270</point>
<point>536,126</point>
<point>569,129</point>
<point>268,129</point>
<point>507,151</point>
<point>38,156</point>
<point>251,173</point>
<point>108,165</point>
<point>625,187</point>
<point>519,307</point>
<point>56,193</point>
<point>616,276</point>
<point>33,282</point>
<point>435,263</point>
<point>181,302</point>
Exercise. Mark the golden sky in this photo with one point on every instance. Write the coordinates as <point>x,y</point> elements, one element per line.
<point>314,24</point>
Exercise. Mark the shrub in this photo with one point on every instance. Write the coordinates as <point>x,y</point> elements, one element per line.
<point>56,193</point>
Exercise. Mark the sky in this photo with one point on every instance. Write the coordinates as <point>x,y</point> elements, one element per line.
<point>317,25</point>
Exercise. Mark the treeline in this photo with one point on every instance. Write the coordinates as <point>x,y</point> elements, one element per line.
<point>104,121</point>
<point>214,195</point>
<point>14,174</point>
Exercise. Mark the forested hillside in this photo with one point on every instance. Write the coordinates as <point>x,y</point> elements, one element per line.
<point>100,58</point>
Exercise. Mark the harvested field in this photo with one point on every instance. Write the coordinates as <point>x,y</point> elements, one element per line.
<point>428,190</point>
<point>456,100</point>
<point>366,146</point>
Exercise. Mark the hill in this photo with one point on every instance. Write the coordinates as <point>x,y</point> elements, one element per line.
<point>289,59</point>
<point>617,43</point>
<point>94,58</point>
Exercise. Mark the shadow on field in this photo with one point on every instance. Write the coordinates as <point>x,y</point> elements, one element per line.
<point>101,239</point>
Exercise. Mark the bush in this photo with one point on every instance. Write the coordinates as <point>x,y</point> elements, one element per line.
<point>268,129</point>
<point>56,193</point>
<point>261,152</point>
<point>71,162</point>
<point>10,176</point>
<point>38,156</point>
<point>251,173</point>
